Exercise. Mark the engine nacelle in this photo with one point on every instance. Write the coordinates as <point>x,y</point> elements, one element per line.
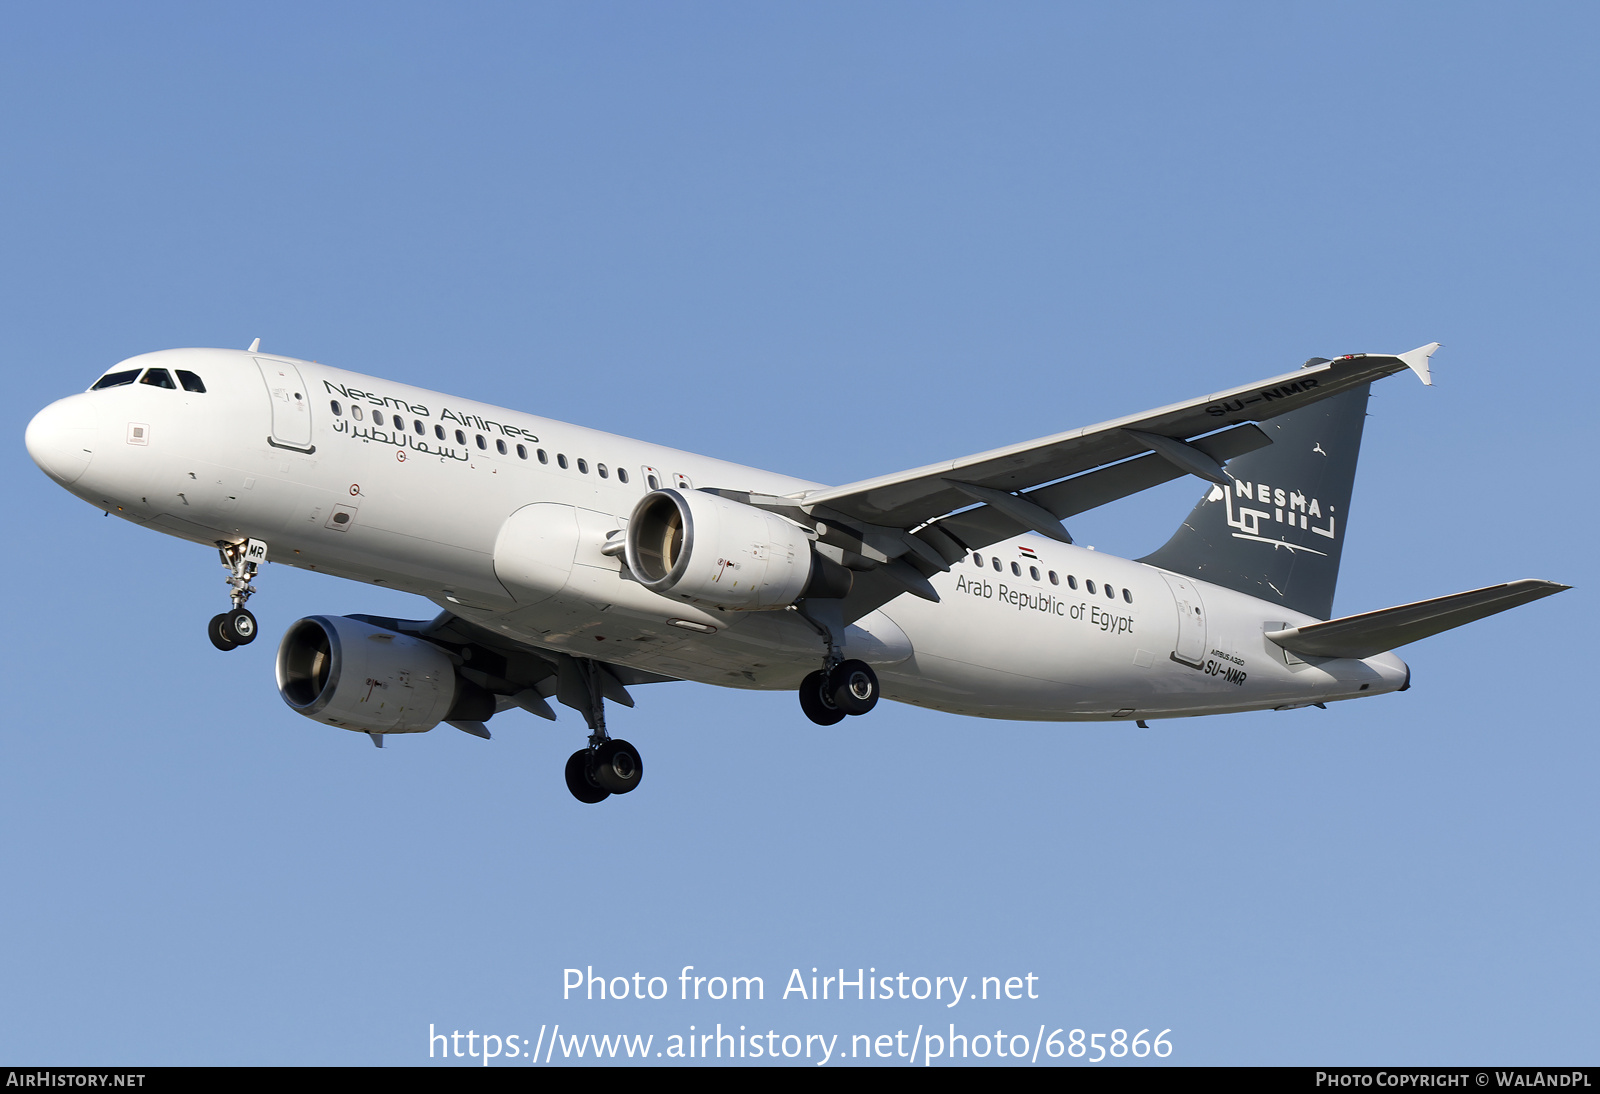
<point>701,547</point>
<point>346,673</point>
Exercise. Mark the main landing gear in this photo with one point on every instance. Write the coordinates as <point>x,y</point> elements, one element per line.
<point>607,766</point>
<point>829,695</point>
<point>841,687</point>
<point>237,627</point>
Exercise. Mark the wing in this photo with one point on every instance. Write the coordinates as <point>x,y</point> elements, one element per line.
<point>912,524</point>
<point>911,498</point>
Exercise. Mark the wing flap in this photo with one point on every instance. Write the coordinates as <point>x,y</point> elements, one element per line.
<point>1388,628</point>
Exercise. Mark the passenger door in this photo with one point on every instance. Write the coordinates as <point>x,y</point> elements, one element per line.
<point>1191,644</point>
<point>291,409</point>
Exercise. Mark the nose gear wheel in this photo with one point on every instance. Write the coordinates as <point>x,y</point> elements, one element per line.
<point>233,628</point>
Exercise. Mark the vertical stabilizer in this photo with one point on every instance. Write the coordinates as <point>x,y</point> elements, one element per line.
<point>1277,530</point>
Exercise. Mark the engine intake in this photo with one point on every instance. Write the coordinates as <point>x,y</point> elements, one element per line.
<point>705,548</point>
<point>346,673</point>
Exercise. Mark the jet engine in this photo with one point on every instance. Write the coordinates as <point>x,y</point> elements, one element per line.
<point>346,673</point>
<point>701,547</point>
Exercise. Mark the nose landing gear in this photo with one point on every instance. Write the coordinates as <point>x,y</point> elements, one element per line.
<point>237,627</point>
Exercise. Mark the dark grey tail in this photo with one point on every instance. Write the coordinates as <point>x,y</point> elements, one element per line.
<point>1278,531</point>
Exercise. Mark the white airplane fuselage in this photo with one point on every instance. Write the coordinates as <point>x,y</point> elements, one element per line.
<point>406,488</point>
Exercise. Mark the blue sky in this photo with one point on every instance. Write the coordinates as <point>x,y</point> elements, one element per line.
<point>834,241</point>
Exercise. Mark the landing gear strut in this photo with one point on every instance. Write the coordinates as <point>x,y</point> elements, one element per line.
<point>840,688</point>
<point>608,766</point>
<point>237,627</point>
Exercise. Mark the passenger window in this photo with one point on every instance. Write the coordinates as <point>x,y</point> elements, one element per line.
<point>1034,571</point>
<point>654,485</point>
<point>601,468</point>
<point>1088,583</point>
<point>377,417</point>
<point>438,431</point>
<point>461,438</point>
<point>1054,580</point>
<point>977,560</point>
<point>115,379</point>
<point>482,443</point>
<point>500,447</point>
<point>1127,594</point>
<point>622,474</point>
<point>522,452</point>
<point>1110,592</point>
<point>682,481</point>
<point>159,377</point>
<point>417,426</point>
<point>996,562</point>
<point>543,457</point>
<point>561,461</point>
<point>355,412</point>
<point>1016,569</point>
<point>583,467</point>
<point>1072,582</point>
<point>191,382</point>
<point>338,411</point>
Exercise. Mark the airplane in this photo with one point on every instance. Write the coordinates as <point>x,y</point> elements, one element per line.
<point>573,564</point>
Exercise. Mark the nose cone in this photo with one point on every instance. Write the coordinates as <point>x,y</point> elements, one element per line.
<point>62,438</point>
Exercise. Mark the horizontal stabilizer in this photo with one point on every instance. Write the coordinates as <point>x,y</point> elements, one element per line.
<point>1377,632</point>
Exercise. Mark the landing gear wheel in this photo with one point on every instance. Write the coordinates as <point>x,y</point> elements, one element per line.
<point>816,702</point>
<point>239,625</point>
<point>617,767</point>
<point>580,782</point>
<point>853,686</point>
<point>219,637</point>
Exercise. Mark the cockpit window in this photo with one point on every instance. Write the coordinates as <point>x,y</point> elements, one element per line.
<point>115,379</point>
<point>191,382</point>
<point>158,377</point>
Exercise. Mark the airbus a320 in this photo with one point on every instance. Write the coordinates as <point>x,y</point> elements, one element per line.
<point>572,564</point>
